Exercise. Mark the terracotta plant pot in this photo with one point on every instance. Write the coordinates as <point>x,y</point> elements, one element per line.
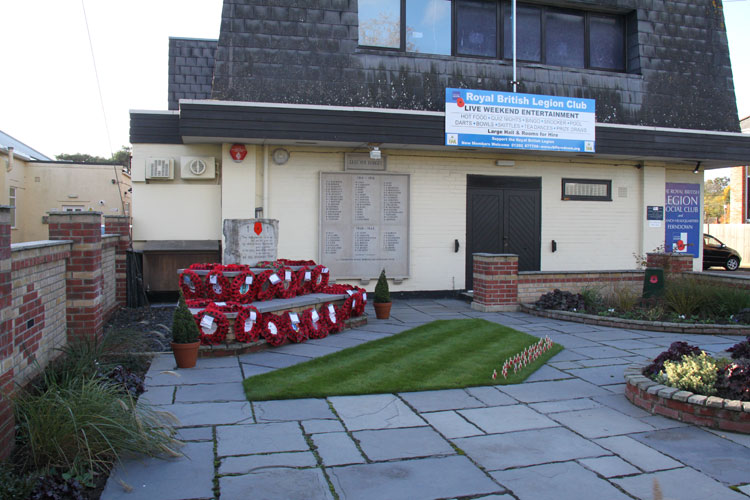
<point>186,355</point>
<point>382,309</point>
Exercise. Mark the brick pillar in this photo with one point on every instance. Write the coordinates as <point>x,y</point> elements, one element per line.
<point>670,262</point>
<point>84,271</point>
<point>120,225</point>
<point>495,282</point>
<point>7,423</point>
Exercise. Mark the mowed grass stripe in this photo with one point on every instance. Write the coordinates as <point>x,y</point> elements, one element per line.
<point>444,354</point>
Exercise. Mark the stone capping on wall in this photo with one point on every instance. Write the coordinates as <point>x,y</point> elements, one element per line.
<point>709,411</point>
<point>634,324</point>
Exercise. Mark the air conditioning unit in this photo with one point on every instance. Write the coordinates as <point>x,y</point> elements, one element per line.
<point>159,168</point>
<point>198,167</point>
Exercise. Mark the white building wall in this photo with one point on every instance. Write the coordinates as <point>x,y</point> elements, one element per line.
<point>590,235</point>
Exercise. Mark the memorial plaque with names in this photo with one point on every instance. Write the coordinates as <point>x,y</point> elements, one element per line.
<point>364,224</point>
<point>248,241</point>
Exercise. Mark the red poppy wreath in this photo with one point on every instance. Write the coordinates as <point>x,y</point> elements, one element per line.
<point>331,317</point>
<point>288,286</point>
<point>297,329</point>
<point>243,288</point>
<point>217,286</point>
<point>316,327</point>
<point>266,285</point>
<point>191,285</point>
<point>275,329</point>
<point>320,278</point>
<point>248,325</point>
<point>213,326</point>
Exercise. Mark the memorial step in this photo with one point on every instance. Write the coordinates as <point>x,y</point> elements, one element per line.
<point>295,304</point>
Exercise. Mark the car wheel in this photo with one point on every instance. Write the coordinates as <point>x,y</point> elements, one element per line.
<point>732,264</point>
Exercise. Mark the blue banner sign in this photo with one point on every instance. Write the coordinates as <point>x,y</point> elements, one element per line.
<point>487,119</point>
<point>683,217</point>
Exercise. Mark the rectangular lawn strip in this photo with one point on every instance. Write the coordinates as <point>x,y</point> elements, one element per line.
<point>444,354</point>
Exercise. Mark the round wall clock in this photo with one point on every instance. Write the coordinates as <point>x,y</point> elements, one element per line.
<point>280,156</point>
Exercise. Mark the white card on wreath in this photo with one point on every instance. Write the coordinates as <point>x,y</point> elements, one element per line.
<point>207,321</point>
<point>274,279</point>
<point>213,279</point>
<point>293,317</point>
<point>248,280</point>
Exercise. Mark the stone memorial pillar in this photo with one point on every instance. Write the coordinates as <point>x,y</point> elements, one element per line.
<point>249,241</point>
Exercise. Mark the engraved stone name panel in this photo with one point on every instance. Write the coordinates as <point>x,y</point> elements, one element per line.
<point>364,224</point>
<point>249,241</point>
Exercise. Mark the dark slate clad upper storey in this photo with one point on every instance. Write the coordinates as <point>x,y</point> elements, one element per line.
<point>306,52</point>
<point>191,68</point>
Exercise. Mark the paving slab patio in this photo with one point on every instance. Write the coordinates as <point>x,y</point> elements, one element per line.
<point>567,429</point>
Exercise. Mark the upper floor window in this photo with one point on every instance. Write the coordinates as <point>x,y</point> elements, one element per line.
<point>477,28</point>
<point>12,203</point>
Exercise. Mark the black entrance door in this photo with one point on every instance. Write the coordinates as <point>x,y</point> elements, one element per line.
<point>503,215</point>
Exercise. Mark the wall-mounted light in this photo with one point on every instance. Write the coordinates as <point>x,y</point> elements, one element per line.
<point>505,163</point>
<point>375,153</point>
<point>697,168</point>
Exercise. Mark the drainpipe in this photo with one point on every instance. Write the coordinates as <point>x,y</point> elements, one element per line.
<point>10,158</point>
<point>515,79</point>
<point>266,215</point>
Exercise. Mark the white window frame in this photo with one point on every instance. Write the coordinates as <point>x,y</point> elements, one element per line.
<point>12,198</point>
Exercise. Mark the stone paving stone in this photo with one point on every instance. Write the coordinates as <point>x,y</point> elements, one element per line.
<point>377,411</point>
<point>741,439</point>
<point>609,466</point>
<point>272,359</point>
<point>252,370</point>
<point>292,409</point>
<point>620,403</point>
<point>567,355</point>
<point>366,336</point>
<point>575,328</point>
<point>222,362</point>
<point>658,422</point>
<point>161,362</point>
<point>638,454</point>
<point>378,327</point>
<point>610,334</point>
<point>684,483</point>
<point>451,425</point>
<point>499,419</point>
<point>565,405</point>
<point>649,353</point>
<point>424,479</point>
<point>538,392</point>
<point>289,484</point>
<point>449,399</point>
<point>251,463</point>
<point>308,350</point>
<point>195,414</point>
<point>745,489</point>
<point>563,481</point>
<point>519,449</point>
<point>589,363</point>
<point>601,352</point>
<point>627,344</point>
<point>189,376</point>
<point>321,426</point>
<point>491,396</point>
<point>573,342</point>
<point>259,438</point>
<point>412,442</point>
<point>215,392</point>
<point>195,434</point>
<point>600,422</point>
<point>715,457</point>
<point>158,395</point>
<point>566,365</point>
<point>337,448</point>
<point>190,476</point>
<point>547,372</point>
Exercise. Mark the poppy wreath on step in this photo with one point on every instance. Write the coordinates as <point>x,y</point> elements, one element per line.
<point>191,285</point>
<point>290,262</point>
<point>297,329</point>
<point>359,306</point>
<point>235,268</point>
<point>336,289</point>
<point>248,325</point>
<point>330,316</point>
<point>316,327</point>
<point>198,303</point>
<point>203,267</point>
<point>304,280</point>
<point>266,285</point>
<point>288,286</point>
<point>320,278</point>
<point>345,310</point>
<point>218,287</point>
<point>275,329</point>
<point>213,326</point>
<point>225,307</point>
<point>242,289</point>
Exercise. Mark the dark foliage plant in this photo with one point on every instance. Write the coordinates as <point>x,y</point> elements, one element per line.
<point>734,381</point>
<point>561,301</point>
<point>675,352</point>
<point>54,486</point>
<point>125,380</point>
<point>741,349</point>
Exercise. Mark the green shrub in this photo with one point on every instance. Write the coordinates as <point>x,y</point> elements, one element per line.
<point>694,373</point>
<point>14,485</point>
<point>623,298</point>
<point>184,328</point>
<point>725,301</point>
<point>382,293</point>
<point>84,424</point>
<point>686,296</point>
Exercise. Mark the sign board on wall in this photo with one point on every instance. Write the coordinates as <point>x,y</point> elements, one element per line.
<point>683,217</point>
<point>364,224</point>
<point>487,119</point>
<point>362,161</point>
